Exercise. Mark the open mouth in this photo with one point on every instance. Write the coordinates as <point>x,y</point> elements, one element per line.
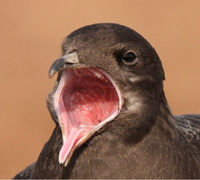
<point>85,100</point>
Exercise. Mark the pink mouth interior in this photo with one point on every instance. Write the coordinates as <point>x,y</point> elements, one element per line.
<point>85,100</point>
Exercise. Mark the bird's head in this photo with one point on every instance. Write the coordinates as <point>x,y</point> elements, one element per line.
<point>105,70</point>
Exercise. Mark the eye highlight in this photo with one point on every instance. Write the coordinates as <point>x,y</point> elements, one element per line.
<point>129,58</point>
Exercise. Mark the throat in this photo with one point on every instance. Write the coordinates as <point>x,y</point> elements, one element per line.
<point>88,105</point>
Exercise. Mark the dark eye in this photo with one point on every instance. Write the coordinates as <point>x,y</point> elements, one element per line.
<point>129,58</point>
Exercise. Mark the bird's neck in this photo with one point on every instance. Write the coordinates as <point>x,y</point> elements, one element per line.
<point>144,115</point>
<point>165,122</point>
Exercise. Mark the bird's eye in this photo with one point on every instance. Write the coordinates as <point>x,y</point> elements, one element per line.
<point>129,58</point>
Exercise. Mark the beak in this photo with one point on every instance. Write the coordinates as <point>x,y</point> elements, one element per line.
<point>69,60</point>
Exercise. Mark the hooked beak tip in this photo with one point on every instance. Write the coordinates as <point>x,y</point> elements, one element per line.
<point>61,63</point>
<point>57,66</point>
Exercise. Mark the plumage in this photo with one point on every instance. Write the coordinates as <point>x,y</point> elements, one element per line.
<point>112,117</point>
<point>189,126</point>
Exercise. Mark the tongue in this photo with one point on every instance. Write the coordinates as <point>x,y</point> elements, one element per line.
<point>86,100</point>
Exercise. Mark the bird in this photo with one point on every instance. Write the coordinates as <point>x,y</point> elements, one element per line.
<point>111,114</point>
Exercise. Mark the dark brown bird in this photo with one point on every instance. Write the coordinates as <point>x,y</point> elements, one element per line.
<point>112,117</point>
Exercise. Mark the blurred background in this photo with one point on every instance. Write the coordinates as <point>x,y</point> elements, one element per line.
<point>31,33</point>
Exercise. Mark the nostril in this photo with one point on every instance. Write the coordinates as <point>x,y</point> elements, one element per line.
<point>69,63</point>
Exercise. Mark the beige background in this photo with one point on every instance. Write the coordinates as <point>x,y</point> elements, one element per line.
<point>31,34</point>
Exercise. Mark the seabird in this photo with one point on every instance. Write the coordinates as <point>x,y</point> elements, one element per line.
<point>112,118</point>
